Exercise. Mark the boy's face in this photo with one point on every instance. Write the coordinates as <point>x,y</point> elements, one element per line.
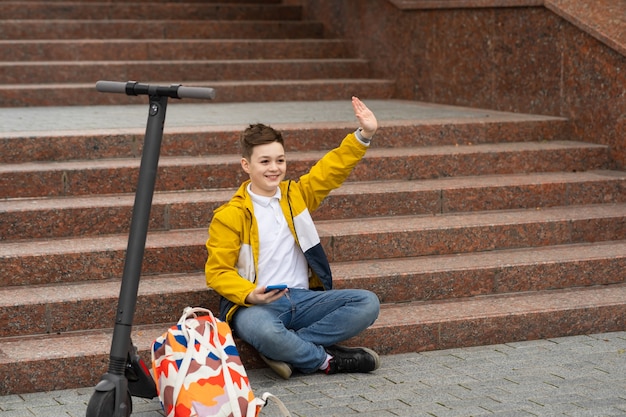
<point>267,167</point>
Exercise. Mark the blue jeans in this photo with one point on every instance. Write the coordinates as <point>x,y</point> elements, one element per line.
<point>296,328</point>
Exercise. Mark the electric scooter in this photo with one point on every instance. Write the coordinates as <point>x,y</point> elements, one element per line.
<point>127,374</point>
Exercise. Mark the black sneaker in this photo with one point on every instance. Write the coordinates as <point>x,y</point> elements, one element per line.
<point>345,359</point>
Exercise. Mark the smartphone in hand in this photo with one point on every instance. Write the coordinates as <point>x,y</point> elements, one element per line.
<point>279,287</point>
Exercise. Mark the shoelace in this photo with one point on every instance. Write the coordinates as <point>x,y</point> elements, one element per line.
<point>344,364</point>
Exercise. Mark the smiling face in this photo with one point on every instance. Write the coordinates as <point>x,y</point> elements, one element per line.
<point>267,167</point>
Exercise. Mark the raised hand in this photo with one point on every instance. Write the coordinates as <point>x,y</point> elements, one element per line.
<point>366,118</point>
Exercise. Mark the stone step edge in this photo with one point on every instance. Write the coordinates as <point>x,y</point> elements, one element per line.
<point>351,274</point>
<point>35,10</point>
<point>203,137</point>
<point>429,312</point>
<point>336,229</point>
<point>420,313</point>
<point>59,217</point>
<point>52,42</point>
<point>44,29</point>
<point>158,1</point>
<point>55,72</point>
<point>205,61</point>
<point>329,228</point>
<point>119,175</point>
<point>374,152</point>
<point>220,196</point>
<point>114,50</point>
<point>197,83</point>
<point>51,95</point>
<point>411,327</point>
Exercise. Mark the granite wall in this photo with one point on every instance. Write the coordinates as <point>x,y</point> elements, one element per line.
<point>523,58</point>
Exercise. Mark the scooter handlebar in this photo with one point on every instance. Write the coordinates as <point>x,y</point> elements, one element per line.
<point>196,92</point>
<point>133,88</point>
<point>111,87</point>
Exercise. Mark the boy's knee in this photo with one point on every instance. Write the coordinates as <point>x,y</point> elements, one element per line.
<point>375,304</point>
<point>258,332</point>
<point>371,299</point>
<point>370,304</point>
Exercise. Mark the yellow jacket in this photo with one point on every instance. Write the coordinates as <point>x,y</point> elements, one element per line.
<point>233,243</point>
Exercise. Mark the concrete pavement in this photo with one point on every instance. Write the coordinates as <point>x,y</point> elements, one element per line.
<point>576,376</point>
<point>193,114</point>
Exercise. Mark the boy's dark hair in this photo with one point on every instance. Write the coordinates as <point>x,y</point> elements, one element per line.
<point>258,134</point>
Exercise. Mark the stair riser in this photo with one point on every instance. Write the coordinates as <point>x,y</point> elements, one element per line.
<point>86,221</point>
<point>415,167</point>
<point>98,263</point>
<point>471,239</point>
<point>199,49</point>
<point>102,220</point>
<point>451,284</point>
<point>99,313</point>
<point>188,71</point>
<point>532,196</point>
<point>158,29</point>
<point>172,11</point>
<point>35,148</point>
<point>228,92</point>
<point>199,176</point>
<point>156,1</point>
<point>208,142</point>
<point>395,339</point>
<point>90,312</point>
<point>44,375</point>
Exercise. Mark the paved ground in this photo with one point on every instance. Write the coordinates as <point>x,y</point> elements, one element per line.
<point>192,113</point>
<point>571,376</point>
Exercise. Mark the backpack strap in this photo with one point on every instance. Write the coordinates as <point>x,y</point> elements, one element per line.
<point>192,337</point>
<point>281,406</point>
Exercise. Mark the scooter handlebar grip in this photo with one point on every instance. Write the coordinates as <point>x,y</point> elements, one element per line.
<point>196,92</point>
<point>133,88</point>
<point>111,87</point>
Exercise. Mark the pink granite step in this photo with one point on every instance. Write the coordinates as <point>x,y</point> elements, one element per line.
<point>397,237</point>
<point>73,178</point>
<point>158,29</point>
<point>242,2</point>
<point>497,127</point>
<point>461,275</point>
<point>177,251</point>
<point>148,11</point>
<point>178,49</point>
<point>80,358</point>
<point>153,1</point>
<point>70,216</point>
<point>499,319</point>
<point>71,94</point>
<point>53,72</point>
<point>89,305</point>
<point>267,52</point>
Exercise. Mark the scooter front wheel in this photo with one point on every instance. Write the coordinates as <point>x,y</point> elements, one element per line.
<point>102,404</point>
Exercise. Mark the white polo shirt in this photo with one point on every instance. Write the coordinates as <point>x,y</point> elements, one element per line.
<point>281,260</point>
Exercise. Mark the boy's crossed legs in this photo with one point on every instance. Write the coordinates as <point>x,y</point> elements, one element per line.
<point>302,329</point>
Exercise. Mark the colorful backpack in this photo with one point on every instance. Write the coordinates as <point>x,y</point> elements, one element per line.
<point>198,371</point>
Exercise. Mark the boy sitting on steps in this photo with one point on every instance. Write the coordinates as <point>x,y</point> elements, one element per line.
<point>265,236</point>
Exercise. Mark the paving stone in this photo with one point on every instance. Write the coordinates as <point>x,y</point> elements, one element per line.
<point>482,382</point>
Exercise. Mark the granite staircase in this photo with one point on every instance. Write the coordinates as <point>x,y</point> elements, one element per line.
<point>52,51</point>
<point>471,231</point>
